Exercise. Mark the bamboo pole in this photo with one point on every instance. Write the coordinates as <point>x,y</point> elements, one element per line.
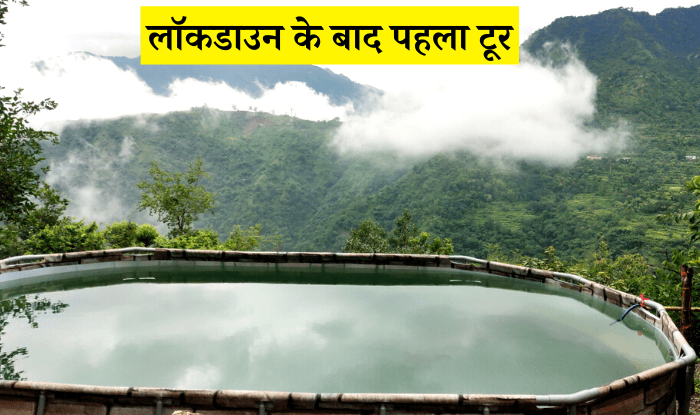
<point>675,308</point>
<point>687,282</point>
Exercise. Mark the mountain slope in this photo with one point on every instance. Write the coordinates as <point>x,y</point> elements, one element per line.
<point>283,172</point>
<point>648,66</point>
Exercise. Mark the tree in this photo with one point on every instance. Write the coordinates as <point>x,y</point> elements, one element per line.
<point>14,235</point>
<point>195,239</point>
<point>48,212</point>
<point>121,234</point>
<point>146,235</point>
<point>20,152</point>
<point>406,238</point>
<point>368,237</point>
<point>404,231</point>
<point>692,217</point>
<point>20,149</point>
<point>239,240</point>
<point>177,198</point>
<point>20,182</point>
<point>689,255</point>
<point>422,245</point>
<point>250,239</point>
<point>126,234</point>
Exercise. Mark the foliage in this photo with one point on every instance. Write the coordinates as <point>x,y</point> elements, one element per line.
<point>404,232</point>
<point>26,203</point>
<point>248,240</point>
<point>692,218</point>
<point>367,237</point>
<point>239,240</point>
<point>406,238</point>
<point>126,234</point>
<point>690,254</point>
<point>10,243</point>
<point>629,273</point>
<point>20,149</point>
<point>197,239</point>
<point>176,198</point>
<point>66,236</point>
<point>422,245</point>
<point>48,212</point>
<point>551,261</point>
<point>283,172</point>
<point>643,76</point>
<point>20,152</point>
<point>121,234</point>
<point>146,235</point>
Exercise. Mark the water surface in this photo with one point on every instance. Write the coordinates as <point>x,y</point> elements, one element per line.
<point>322,331</point>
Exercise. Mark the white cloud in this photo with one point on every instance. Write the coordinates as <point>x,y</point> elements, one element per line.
<point>89,87</point>
<point>292,98</point>
<point>530,111</point>
<point>111,28</point>
<point>204,376</point>
<point>126,150</point>
<point>78,177</point>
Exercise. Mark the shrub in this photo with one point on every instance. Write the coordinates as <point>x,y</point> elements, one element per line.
<point>244,240</point>
<point>66,236</point>
<point>121,234</point>
<point>146,235</point>
<point>197,239</point>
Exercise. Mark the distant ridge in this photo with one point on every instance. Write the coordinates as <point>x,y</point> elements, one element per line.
<point>672,32</point>
<point>250,78</point>
<point>648,66</point>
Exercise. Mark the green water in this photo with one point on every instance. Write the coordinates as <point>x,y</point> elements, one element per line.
<point>320,331</point>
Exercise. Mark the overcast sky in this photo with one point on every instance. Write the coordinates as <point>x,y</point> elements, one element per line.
<point>50,27</point>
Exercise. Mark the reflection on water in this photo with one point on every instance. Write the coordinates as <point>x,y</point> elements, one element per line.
<point>20,308</point>
<point>323,331</point>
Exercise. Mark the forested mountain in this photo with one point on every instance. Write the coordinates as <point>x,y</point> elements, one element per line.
<point>281,172</point>
<point>648,66</point>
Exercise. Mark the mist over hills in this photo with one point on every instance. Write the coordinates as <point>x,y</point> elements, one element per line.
<point>252,79</point>
<point>286,174</point>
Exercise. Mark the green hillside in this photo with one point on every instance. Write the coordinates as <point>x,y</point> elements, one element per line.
<point>281,172</point>
<point>648,66</point>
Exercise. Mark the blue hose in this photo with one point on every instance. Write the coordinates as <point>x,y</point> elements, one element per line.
<point>625,314</point>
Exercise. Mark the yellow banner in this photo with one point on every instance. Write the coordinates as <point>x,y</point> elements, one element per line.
<point>328,35</point>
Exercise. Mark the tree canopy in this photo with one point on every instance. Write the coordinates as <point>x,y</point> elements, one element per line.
<point>20,152</point>
<point>367,237</point>
<point>27,204</point>
<point>406,238</point>
<point>177,198</point>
